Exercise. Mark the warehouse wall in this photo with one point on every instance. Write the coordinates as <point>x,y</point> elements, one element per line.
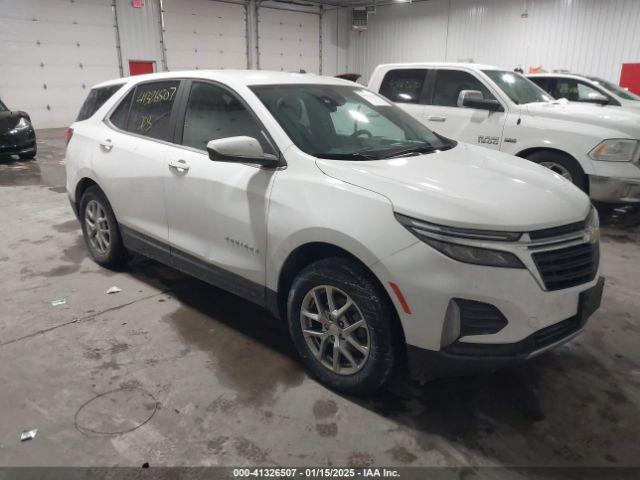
<point>586,36</point>
<point>336,30</point>
<point>139,33</point>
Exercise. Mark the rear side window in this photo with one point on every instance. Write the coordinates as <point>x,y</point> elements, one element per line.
<point>95,99</point>
<point>147,111</point>
<point>449,84</point>
<point>120,115</point>
<point>403,86</point>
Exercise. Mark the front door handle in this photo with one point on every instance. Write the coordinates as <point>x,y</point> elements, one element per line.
<point>107,145</point>
<point>180,166</point>
<point>437,119</point>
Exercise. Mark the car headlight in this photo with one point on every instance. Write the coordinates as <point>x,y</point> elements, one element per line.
<point>434,235</point>
<point>615,150</point>
<point>22,124</point>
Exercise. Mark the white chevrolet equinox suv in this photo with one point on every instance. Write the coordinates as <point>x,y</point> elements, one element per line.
<point>383,245</point>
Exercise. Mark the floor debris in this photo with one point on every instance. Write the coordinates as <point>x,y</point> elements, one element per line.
<point>28,435</point>
<point>113,289</point>
<point>58,301</point>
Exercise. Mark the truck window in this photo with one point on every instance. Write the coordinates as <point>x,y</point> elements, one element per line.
<point>95,99</point>
<point>403,86</point>
<point>519,89</point>
<point>449,84</point>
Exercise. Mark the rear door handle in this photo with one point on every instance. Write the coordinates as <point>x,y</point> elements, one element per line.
<point>106,144</point>
<point>437,119</point>
<point>180,166</point>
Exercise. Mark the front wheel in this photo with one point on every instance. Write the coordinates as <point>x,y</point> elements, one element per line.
<point>342,326</point>
<point>563,165</point>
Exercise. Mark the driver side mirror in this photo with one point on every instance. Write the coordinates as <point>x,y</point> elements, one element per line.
<point>241,150</point>
<point>475,99</point>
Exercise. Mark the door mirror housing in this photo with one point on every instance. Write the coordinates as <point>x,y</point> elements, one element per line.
<point>241,150</point>
<point>475,99</point>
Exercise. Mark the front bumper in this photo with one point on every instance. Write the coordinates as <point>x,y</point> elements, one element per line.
<point>19,143</point>
<point>614,190</point>
<point>462,358</point>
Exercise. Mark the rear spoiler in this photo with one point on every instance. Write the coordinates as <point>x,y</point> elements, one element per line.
<point>353,77</point>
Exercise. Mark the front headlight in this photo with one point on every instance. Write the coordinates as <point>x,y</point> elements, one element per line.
<point>615,150</point>
<point>22,124</point>
<point>433,234</point>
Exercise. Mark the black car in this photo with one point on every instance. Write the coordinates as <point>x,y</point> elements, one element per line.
<point>17,136</point>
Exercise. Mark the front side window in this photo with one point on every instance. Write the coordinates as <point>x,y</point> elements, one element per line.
<point>449,84</point>
<point>519,89</point>
<point>96,98</point>
<point>403,86</point>
<point>3,107</point>
<point>617,89</point>
<point>213,112</point>
<point>574,90</point>
<point>344,122</point>
<point>150,111</point>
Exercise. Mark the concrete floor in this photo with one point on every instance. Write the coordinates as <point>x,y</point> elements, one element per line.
<point>171,371</point>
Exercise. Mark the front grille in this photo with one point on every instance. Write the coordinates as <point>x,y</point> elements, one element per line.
<point>568,267</point>
<point>557,231</point>
<point>555,332</point>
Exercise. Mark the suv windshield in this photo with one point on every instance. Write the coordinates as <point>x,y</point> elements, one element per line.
<point>518,88</point>
<point>345,122</point>
<point>618,90</point>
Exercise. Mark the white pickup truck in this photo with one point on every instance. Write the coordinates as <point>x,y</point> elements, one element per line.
<point>597,149</point>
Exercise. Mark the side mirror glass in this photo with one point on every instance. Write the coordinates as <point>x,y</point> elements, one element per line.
<point>475,99</point>
<point>240,150</point>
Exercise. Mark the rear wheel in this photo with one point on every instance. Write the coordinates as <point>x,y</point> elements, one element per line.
<point>563,165</point>
<point>342,326</point>
<point>100,229</point>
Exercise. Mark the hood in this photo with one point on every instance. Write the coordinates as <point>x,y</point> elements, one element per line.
<point>623,120</point>
<point>469,186</point>
<point>8,120</point>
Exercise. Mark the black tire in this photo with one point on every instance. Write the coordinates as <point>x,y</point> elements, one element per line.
<point>381,324</point>
<point>28,156</point>
<point>116,254</point>
<point>564,161</point>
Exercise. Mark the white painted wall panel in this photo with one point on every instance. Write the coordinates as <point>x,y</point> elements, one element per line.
<point>586,36</point>
<point>51,53</point>
<point>139,30</point>
<point>201,34</point>
<point>336,29</point>
<point>288,40</point>
<point>400,33</point>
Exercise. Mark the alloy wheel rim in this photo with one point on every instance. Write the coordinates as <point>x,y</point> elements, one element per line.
<point>559,169</point>
<point>98,231</point>
<point>335,330</point>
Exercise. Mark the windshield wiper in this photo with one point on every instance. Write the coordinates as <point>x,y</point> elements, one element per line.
<point>345,156</point>
<point>424,148</point>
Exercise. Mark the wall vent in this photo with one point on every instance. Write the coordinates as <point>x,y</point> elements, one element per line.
<point>359,19</point>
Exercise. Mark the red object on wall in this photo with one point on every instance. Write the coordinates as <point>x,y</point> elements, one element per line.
<point>630,77</point>
<point>140,67</point>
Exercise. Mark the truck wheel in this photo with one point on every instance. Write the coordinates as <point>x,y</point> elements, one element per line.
<point>100,229</point>
<point>342,326</point>
<point>563,165</point>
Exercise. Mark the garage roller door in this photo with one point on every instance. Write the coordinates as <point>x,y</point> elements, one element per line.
<point>204,34</point>
<point>51,53</point>
<point>288,41</point>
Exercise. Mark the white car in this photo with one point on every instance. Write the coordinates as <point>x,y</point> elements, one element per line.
<point>379,242</point>
<point>597,149</point>
<point>586,89</point>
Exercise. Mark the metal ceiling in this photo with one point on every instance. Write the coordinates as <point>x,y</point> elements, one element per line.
<point>348,3</point>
